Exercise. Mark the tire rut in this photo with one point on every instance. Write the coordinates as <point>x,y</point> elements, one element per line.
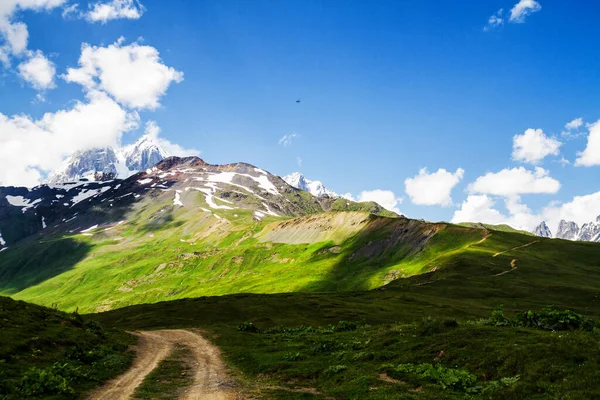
<point>211,381</point>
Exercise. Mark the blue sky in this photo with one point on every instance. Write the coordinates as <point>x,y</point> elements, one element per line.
<point>387,88</point>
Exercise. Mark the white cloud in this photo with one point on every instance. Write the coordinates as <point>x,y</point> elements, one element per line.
<point>515,181</point>
<point>71,11</point>
<point>14,33</point>
<point>478,208</point>
<point>523,9</point>
<point>433,189</point>
<point>133,74</point>
<point>581,209</point>
<point>575,124</point>
<point>481,208</point>
<point>591,155</point>
<point>299,161</point>
<point>38,71</point>
<point>495,20</point>
<point>30,148</point>
<point>533,146</point>
<point>153,130</point>
<point>385,198</point>
<point>286,140</point>
<point>115,9</point>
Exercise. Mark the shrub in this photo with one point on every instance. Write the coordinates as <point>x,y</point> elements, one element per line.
<point>248,327</point>
<point>452,378</point>
<point>549,318</point>
<point>334,369</point>
<point>345,326</point>
<point>430,326</point>
<point>47,381</point>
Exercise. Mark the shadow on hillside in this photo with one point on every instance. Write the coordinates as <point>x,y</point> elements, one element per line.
<point>36,262</point>
<point>383,244</point>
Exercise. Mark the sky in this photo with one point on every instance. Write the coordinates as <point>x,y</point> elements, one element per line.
<point>456,111</point>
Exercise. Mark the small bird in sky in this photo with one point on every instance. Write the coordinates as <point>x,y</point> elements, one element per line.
<point>298,101</point>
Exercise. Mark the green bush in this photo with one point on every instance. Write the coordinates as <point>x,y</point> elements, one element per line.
<point>334,369</point>
<point>47,381</point>
<point>248,327</point>
<point>447,378</point>
<point>549,318</point>
<point>429,326</point>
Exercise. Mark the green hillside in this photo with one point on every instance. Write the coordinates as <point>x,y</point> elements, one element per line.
<point>295,345</point>
<point>46,353</point>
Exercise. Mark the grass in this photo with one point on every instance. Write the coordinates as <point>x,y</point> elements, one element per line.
<point>46,353</point>
<point>469,357</point>
<point>169,379</point>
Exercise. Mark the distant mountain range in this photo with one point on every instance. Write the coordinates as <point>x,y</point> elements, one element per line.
<point>569,230</point>
<point>316,188</point>
<point>109,163</point>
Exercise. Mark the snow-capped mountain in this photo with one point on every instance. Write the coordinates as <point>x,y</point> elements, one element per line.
<point>109,163</point>
<point>316,188</point>
<point>542,230</point>
<point>569,230</point>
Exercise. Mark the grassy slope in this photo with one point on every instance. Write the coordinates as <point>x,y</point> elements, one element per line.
<point>349,365</point>
<point>45,353</point>
<point>165,252</point>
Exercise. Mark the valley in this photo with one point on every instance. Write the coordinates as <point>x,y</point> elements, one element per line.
<point>305,296</point>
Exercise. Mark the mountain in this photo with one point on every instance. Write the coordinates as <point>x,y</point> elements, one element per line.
<point>569,230</point>
<point>542,230</point>
<point>316,188</point>
<point>109,163</point>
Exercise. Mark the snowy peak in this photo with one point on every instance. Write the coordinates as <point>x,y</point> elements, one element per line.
<point>542,230</point>
<point>109,163</point>
<point>316,188</point>
<point>569,230</point>
<point>143,154</point>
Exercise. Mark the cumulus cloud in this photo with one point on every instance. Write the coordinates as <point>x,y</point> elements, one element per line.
<point>31,148</point>
<point>591,155</point>
<point>385,198</point>
<point>482,208</point>
<point>14,34</point>
<point>433,189</point>
<point>115,9</point>
<point>286,140</point>
<point>514,182</point>
<point>523,9</point>
<point>38,71</point>
<point>495,20</point>
<point>153,130</point>
<point>533,146</point>
<point>133,74</point>
<point>478,208</point>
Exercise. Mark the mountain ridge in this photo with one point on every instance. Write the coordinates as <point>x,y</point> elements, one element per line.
<point>570,230</point>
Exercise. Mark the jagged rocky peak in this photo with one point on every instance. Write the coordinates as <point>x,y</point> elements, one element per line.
<point>542,230</point>
<point>109,163</point>
<point>143,154</point>
<point>567,230</point>
<point>87,165</point>
<point>316,188</point>
<point>590,232</point>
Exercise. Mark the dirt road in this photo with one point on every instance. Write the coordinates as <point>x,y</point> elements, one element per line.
<point>210,378</point>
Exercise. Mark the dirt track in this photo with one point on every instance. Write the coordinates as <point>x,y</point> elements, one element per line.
<point>210,379</point>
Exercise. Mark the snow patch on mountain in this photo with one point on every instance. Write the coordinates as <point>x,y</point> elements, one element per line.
<point>316,188</point>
